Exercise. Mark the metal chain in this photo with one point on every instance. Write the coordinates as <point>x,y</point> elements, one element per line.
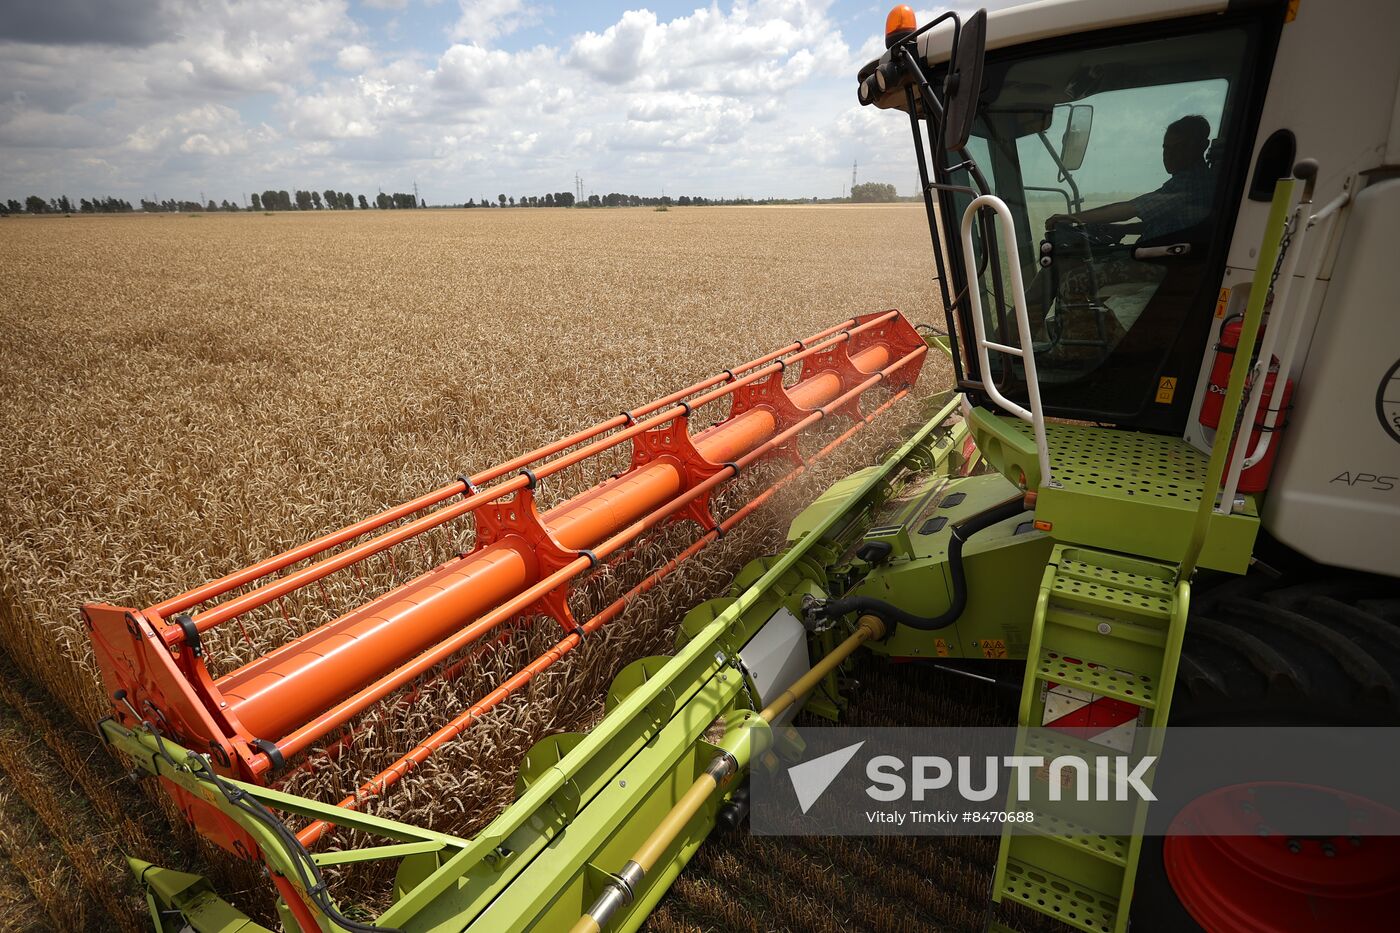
<point>1287,240</point>
<point>1288,230</point>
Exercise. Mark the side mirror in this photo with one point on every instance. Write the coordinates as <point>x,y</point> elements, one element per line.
<point>963,86</point>
<point>1075,141</point>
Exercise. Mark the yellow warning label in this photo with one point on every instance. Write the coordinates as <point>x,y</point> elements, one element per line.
<point>940,647</point>
<point>993,648</point>
<point>1222,302</point>
<point>1166,390</point>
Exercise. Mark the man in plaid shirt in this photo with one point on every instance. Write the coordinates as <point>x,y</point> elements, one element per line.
<point>1182,202</point>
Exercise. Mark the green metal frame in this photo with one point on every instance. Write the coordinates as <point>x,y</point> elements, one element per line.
<point>1121,490</point>
<point>584,802</point>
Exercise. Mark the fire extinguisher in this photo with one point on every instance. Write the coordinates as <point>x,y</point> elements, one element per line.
<point>1255,478</point>
<point>1220,371</point>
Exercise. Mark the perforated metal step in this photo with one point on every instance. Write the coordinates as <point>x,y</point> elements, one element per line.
<point>1112,849</point>
<point>1061,898</point>
<point>1135,576</point>
<point>1110,599</point>
<point>1128,686</point>
<point>1124,463</point>
<point>1118,490</point>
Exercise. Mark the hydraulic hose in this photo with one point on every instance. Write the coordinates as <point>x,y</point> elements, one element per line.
<point>893,615</point>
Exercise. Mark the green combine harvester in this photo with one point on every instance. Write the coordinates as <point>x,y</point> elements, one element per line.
<point>1047,519</point>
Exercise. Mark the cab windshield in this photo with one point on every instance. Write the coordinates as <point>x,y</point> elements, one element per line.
<point>1109,160</point>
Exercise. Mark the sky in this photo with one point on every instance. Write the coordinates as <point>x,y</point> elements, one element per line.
<point>215,99</point>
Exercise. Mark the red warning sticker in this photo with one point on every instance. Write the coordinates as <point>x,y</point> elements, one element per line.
<point>1103,720</point>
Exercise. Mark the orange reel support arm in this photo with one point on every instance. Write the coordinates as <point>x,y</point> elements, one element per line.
<point>523,561</point>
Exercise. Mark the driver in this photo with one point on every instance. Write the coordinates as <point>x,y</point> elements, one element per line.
<point>1183,200</point>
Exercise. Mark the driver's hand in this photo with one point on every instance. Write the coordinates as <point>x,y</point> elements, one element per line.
<point>1054,219</point>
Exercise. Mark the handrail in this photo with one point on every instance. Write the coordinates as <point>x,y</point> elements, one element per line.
<point>1269,247</point>
<point>1282,316</point>
<point>1035,415</point>
<point>1326,216</point>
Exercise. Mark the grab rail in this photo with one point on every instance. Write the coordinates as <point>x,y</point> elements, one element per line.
<point>1326,217</point>
<point>1226,438</point>
<point>1035,415</point>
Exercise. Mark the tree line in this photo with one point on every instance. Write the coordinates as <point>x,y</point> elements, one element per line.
<point>330,199</point>
<point>873,192</point>
<point>549,199</point>
<point>614,199</point>
<point>265,201</point>
<point>37,205</point>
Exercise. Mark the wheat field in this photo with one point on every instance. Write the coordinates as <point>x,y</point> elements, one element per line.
<point>184,395</point>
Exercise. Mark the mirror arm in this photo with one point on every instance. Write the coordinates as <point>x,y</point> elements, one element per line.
<point>932,104</point>
<point>927,187</point>
<point>1065,174</point>
<point>1069,206</point>
<point>935,108</point>
<point>907,50</point>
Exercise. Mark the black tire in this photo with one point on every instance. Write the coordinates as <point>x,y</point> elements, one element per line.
<point>1307,645</point>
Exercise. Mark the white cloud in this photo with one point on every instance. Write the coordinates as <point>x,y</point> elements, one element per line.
<point>466,72</point>
<point>753,49</point>
<point>752,96</point>
<point>35,129</point>
<point>204,144</point>
<point>483,20</point>
<point>621,53</point>
<point>208,129</point>
<point>355,58</point>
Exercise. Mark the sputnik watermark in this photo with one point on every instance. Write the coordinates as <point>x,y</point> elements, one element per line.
<point>1102,779</point>
<point>1085,781</point>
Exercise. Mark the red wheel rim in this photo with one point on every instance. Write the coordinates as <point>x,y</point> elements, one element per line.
<point>1245,878</point>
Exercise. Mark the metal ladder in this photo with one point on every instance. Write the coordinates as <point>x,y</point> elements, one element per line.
<point>1107,633</point>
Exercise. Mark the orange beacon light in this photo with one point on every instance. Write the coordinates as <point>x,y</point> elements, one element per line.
<point>899,24</point>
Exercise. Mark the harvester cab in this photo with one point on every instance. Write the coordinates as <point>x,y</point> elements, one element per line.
<point>1138,257</point>
<point>1109,179</point>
